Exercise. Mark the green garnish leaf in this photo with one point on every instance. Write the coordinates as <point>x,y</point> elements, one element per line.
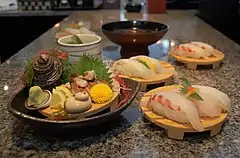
<point>186,82</point>
<point>66,70</point>
<point>144,63</point>
<point>196,96</point>
<point>28,72</point>
<point>185,90</point>
<point>186,85</point>
<point>91,62</point>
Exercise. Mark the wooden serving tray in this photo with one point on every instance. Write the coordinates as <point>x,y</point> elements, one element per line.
<point>96,108</point>
<point>192,63</point>
<point>165,78</point>
<point>173,129</point>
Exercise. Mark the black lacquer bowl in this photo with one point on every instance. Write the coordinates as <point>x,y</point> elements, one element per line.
<point>38,121</point>
<point>134,36</point>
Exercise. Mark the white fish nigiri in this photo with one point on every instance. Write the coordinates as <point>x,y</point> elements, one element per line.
<point>153,63</point>
<point>132,68</point>
<point>208,49</point>
<point>176,107</point>
<point>214,101</point>
<point>191,50</point>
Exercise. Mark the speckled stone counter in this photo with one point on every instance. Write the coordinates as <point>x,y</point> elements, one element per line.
<point>132,136</point>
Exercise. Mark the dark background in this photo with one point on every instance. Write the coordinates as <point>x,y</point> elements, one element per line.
<point>221,14</point>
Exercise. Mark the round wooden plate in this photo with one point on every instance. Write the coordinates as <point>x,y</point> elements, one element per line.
<point>173,129</point>
<point>192,63</point>
<point>160,78</point>
<point>96,108</point>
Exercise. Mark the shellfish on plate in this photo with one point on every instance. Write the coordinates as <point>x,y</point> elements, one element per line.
<point>84,88</point>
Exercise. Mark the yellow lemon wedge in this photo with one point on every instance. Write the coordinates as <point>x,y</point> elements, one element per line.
<point>58,98</point>
<point>65,90</point>
<point>146,61</point>
<point>56,107</point>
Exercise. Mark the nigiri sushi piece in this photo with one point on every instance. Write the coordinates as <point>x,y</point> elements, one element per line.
<point>192,51</point>
<point>132,68</point>
<point>152,63</point>
<point>176,107</point>
<point>214,101</point>
<point>208,49</point>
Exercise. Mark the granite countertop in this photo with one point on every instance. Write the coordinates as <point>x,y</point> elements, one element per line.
<point>132,136</point>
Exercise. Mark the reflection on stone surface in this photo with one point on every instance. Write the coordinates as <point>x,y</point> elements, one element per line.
<point>111,52</point>
<point>111,48</point>
<point>158,50</point>
<point>57,25</point>
<point>5,87</point>
<point>172,43</point>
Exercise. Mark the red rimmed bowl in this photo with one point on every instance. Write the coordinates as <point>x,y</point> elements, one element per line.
<point>134,37</point>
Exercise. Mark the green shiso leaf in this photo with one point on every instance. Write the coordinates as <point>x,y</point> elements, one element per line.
<point>196,96</point>
<point>186,85</point>
<point>184,90</point>
<point>88,63</point>
<point>67,68</point>
<point>28,72</point>
<point>186,82</point>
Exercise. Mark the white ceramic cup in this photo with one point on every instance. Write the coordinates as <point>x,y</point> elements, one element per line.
<point>91,45</point>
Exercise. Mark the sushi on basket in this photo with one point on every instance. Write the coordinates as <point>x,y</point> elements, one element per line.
<point>189,104</point>
<point>196,50</point>
<point>142,67</point>
<point>176,107</point>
